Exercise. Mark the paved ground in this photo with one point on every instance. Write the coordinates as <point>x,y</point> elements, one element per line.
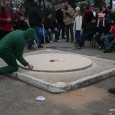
<point>18,98</point>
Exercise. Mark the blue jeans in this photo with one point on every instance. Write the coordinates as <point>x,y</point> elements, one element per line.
<point>38,41</point>
<point>109,41</point>
<point>99,39</point>
<point>78,36</point>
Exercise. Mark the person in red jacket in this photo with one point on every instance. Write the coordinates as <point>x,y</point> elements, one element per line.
<point>110,40</point>
<point>6,18</point>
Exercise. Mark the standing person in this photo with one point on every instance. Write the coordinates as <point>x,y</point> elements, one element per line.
<point>59,18</point>
<point>11,49</point>
<point>35,21</point>
<point>93,11</point>
<point>101,17</point>
<point>109,18</point>
<point>68,17</point>
<point>6,18</point>
<point>78,28</point>
<point>109,40</point>
<point>18,14</point>
<point>88,15</point>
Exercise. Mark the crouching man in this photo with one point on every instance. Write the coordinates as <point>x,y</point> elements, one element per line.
<point>11,49</point>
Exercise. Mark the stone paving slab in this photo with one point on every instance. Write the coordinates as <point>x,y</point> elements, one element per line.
<point>67,81</point>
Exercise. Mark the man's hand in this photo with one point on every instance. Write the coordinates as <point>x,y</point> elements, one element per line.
<point>97,33</point>
<point>8,19</point>
<point>56,29</point>
<point>49,30</point>
<point>30,66</point>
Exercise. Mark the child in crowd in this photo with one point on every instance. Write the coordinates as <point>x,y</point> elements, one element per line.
<point>21,24</point>
<point>78,28</point>
<point>101,17</point>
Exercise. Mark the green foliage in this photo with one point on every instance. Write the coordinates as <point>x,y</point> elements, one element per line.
<point>72,3</point>
<point>99,3</point>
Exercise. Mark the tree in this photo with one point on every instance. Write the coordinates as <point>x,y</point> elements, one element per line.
<point>72,3</point>
<point>27,5</point>
<point>99,3</point>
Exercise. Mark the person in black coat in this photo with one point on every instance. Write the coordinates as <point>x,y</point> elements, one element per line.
<point>35,21</point>
<point>88,15</point>
<point>59,18</point>
<point>35,15</point>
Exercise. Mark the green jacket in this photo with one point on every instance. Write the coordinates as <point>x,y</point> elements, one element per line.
<point>14,43</point>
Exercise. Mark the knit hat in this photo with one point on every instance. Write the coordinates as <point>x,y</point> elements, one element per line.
<point>77,9</point>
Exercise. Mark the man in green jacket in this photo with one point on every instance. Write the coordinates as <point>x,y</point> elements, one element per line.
<point>11,49</point>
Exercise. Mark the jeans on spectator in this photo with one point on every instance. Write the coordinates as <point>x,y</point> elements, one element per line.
<point>99,39</point>
<point>38,41</point>
<point>78,36</point>
<point>109,41</point>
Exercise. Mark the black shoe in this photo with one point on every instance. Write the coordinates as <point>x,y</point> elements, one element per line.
<point>79,47</point>
<point>40,46</point>
<point>76,44</point>
<point>108,50</point>
<point>99,47</point>
<point>57,40</point>
<point>72,41</point>
<point>112,90</point>
<point>32,48</point>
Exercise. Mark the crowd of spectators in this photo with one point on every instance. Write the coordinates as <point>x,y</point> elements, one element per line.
<point>67,23</point>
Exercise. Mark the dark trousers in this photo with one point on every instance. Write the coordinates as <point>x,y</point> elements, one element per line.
<point>12,64</point>
<point>109,41</point>
<point>69,28</point>
<point>3,33</point>
<point>29,44</point>
<point>62,28</point>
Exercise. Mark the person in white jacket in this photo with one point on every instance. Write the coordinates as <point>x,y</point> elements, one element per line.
<point>78,28</point>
